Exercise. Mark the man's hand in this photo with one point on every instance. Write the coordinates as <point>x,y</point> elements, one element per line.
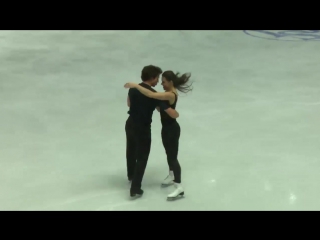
<point>130,85</point>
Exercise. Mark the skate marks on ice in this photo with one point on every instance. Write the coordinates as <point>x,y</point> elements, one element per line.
<point>103,201</point>
<point>87,202</point>
<point>108,201</point>
<point>285,35</point>
<point>258,101</point>
<point>111,206</point>
<point>112,199</point>
<point>136,203</point>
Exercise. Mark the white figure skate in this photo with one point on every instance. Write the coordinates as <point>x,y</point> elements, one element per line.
<point>177,193</point>
<point>168,181</point>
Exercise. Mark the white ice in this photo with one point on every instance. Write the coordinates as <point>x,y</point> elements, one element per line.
<point>250,129</point>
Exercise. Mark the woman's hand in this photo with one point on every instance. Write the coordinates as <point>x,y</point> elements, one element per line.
<point>130,85</point>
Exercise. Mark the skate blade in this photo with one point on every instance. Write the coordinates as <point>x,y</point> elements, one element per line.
<point>135,197</point>
<point>180,196</point>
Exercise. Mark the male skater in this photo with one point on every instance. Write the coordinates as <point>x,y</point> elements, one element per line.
<point>138,127</point>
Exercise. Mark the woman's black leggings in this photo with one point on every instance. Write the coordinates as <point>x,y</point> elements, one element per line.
<point>170,138</point>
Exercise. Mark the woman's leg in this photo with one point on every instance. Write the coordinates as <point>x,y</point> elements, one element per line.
<point>170,139</point>
<point>172,151</point>
<point>172,135</point>
<point>165,135</point>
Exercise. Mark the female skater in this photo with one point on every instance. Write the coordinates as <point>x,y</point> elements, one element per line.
<point>170,132</point>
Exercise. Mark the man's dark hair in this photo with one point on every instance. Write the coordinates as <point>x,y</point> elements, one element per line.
<point>150,72</point>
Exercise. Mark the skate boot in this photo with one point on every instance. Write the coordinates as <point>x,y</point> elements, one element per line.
<point>136,194</point>
<point>168,181</point>
<point>177,193</point>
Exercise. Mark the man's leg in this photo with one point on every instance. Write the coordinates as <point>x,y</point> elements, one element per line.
<point>131,149</point>
<point>143,141</point>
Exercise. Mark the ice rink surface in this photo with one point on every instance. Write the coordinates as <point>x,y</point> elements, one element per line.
<point>250,135</point>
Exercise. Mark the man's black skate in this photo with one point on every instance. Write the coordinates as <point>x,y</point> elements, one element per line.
<point>136,194</point>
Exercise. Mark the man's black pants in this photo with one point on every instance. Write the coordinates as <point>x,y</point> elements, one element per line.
<point>138,150</point>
